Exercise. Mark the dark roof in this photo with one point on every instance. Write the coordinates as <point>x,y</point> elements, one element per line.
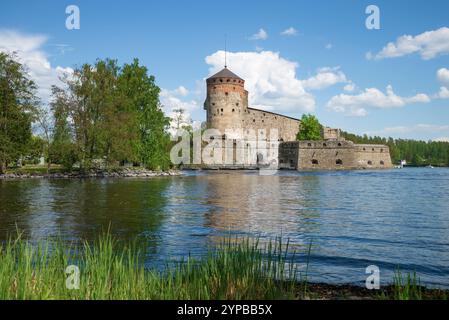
<point>225,73</point>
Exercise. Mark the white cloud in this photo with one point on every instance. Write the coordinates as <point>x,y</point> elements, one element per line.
<point>443,75</point>
<point>30,53</point>
<point>329,46</point>
<point>289,32</point>
<point>350,87</point>
<point>428,45</point>
<point>171,100</point>
<point>356,105</point>
<point>443,93</point>
<point>261,35</point>
<point>270,79</point>
<point>324,78</point>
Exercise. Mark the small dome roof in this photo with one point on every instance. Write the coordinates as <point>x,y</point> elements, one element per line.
<point>225,73</point>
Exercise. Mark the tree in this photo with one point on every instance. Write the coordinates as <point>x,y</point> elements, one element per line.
<point>112,113</point>
<point>17,102</point>
<point>309,128</point>
<point>142,94</point>
<point>44,121</point>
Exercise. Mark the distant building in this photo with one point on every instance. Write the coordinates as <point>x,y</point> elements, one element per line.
<point>227,110</point>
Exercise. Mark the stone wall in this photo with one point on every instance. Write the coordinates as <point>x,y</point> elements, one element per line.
<point>332,155</point>
<point>258,119</point>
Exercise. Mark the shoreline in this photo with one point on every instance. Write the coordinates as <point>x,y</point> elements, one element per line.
<point>106,173</point>
<point>328,291</point>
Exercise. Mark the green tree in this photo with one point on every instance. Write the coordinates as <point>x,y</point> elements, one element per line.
<point>17,102</point>
<point>114,114</point>
<point>309,128</point>
<point>142,96</point>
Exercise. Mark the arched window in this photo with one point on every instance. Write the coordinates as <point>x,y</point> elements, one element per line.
<point>370,162</point>
<point>314,161</point>
<point>382,163</point>
<point>339,144</point>
<point>324,145</point>
<point>339,162</point>
<point>309,144</point>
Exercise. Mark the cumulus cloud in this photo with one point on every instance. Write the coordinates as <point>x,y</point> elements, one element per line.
<point>324,78</point>
<point>31,54</point>
<point>443,93</point>
<point>260,35</point>
<point>350,87</point>
<point>270,79</point>
<point>356,105</point>
<point>172,101</point>
<point>428,45</point>
<point>443,75</point>
<point>289,32</point>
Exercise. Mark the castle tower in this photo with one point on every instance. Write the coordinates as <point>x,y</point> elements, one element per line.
<point>226,101</point>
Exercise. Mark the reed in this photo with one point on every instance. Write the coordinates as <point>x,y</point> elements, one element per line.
<point>236,269</point>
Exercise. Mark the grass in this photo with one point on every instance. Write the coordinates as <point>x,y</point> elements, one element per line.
<point>109,270</point>
<point>235,269</point>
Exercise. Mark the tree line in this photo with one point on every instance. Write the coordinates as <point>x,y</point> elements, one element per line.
<point>102,114</point>
<point>415,152</point>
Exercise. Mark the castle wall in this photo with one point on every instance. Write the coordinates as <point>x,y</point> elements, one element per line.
<point>225,105</point>
<point>332,155</point>
<point>258,119</point>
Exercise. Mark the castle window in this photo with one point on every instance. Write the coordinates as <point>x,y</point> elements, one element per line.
<point>324,145</point>
<point>382,163</point>
<point>373,149</point>
<point>339,162</point>
<point>370,162</point>
<point>364,149</point>
<point>264,114</point>
<point>339,144</point>
<point>309,144</point>
<point>226,93</point>
<point>213,103</point>
<point>381,150</point>
<point>233,88</point>
<point>228,80</point>
<point>254,120</point>
<point>314,161</point>
<point>263,120</point>
<point>237,104</point>
<point>221,80</point>
<point>233,110</point>
<point>215,86</point>
<point>234,80</point>
<point>221,109</point>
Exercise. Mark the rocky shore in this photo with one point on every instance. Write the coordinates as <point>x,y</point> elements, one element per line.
<point>117,173</point>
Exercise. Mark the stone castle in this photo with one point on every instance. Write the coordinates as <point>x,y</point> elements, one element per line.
<point>227,109</point>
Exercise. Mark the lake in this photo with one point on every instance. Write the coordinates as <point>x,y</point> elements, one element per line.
<point>392,218</point>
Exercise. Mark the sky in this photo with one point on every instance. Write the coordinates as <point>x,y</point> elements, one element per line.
<point>296,56</point>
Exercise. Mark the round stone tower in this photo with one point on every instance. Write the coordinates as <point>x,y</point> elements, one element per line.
<point>226,101</point>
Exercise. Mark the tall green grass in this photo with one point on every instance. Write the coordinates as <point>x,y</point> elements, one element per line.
<point>241,269</point>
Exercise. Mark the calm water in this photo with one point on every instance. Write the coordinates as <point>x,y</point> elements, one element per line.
<point>395,218</point>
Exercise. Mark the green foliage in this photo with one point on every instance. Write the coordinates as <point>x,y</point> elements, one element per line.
<point>115,117</point>
<point>417,153</point>
<point>309,128</point>
<point>17,102</point>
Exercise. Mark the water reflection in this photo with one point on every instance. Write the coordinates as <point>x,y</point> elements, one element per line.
<point>388,218</point>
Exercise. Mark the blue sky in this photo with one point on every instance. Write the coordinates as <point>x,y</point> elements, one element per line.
<point>310,70</point>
